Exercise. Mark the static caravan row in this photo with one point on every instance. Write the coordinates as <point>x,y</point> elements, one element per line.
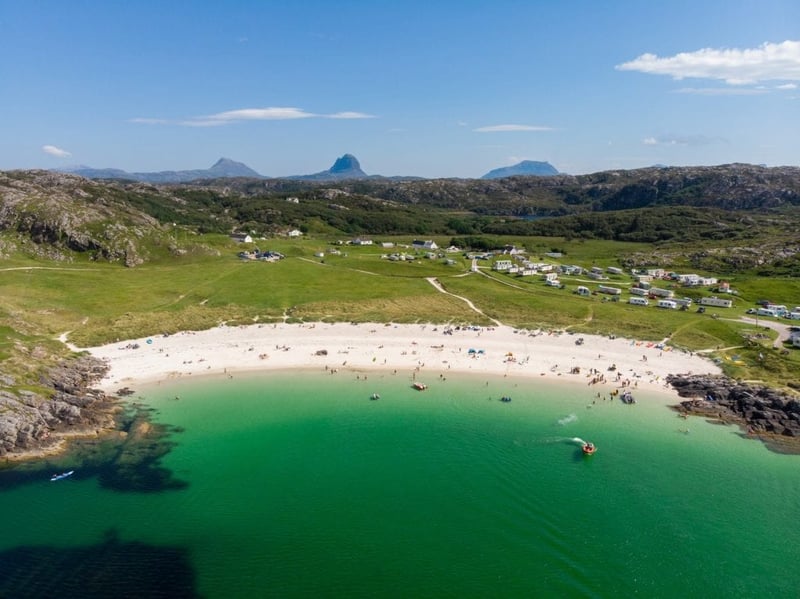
<point>716,302</point>
<point>608,290</point>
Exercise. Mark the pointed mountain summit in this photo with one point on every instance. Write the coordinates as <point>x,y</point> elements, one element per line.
<point>347,164</point>
<point>225,167</point>
<point>346,167</point>
<point>526,167</point>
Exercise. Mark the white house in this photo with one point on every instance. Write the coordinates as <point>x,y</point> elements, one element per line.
<point>419,244</point>
<point>295,233</point>
<point>360,241</point>
<point>241,237</point>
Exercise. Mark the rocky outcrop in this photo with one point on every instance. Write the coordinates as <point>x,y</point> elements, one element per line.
<point>31,421</point>
<point>764,413</point>
<point>55,214</point>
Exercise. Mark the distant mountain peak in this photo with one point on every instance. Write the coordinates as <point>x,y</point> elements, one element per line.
<point>345,167</point>
<point>346,163</point>
<point>225,162</point>
<point>526,167</point>
<point>226,167</point>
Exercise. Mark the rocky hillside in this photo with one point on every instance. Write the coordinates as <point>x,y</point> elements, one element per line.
<point>727,187</point>
<point>51,214</point>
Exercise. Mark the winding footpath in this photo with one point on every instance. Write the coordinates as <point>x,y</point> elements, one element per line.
<point>438,286</point>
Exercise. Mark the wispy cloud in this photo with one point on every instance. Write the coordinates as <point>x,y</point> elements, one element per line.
<point>348,115</point>
<point>272,113</point>
<point>767,62</point>
<point>55,151</point>
<point>787,86</point>
<point>681,140</point>
<point>496,128</point>
<point>721,91</point>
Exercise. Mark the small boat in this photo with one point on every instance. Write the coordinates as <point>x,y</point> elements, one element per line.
<point>420,386</point>
<point>627,397</point>
<point>505,399</point>
<point>56,477</point>
<point>589,448</point>
<point>374,396</point>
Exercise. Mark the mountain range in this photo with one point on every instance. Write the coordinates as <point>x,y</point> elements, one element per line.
<point>524,168</point>
<point>224,167</point>
<point>344,168</point>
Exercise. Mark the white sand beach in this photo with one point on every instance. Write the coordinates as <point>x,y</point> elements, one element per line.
<point>423,352</point>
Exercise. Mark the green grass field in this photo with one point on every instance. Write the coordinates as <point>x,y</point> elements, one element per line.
<point>98,302</point>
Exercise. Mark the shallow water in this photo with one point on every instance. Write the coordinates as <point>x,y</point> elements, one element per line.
<point>297,484</point>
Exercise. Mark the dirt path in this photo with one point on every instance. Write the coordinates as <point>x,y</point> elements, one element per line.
<point>438,286</point>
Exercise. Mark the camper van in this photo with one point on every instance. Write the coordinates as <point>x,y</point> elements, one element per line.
<point>665,303</point>
<point>765,312</point>
<point>583,290</point>
<point>639,301</point>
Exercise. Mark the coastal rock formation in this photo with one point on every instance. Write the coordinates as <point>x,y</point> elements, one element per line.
<point>768,414</point>
<point>31,421</point>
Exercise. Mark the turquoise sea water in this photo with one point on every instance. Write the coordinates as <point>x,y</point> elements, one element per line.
<point>298,485</point>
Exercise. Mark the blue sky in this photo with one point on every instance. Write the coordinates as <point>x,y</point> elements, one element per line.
<point>433,89</point>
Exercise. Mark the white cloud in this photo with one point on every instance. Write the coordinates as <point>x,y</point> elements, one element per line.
<point>721,91</point>
<point>348,115</point>
<point>495,128</point>
<point>681,140</point>
<point>256,114</point>
<point>787,86</point>
<point>272,113</point>
<point>55,151</point>
<point>735,66</point>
